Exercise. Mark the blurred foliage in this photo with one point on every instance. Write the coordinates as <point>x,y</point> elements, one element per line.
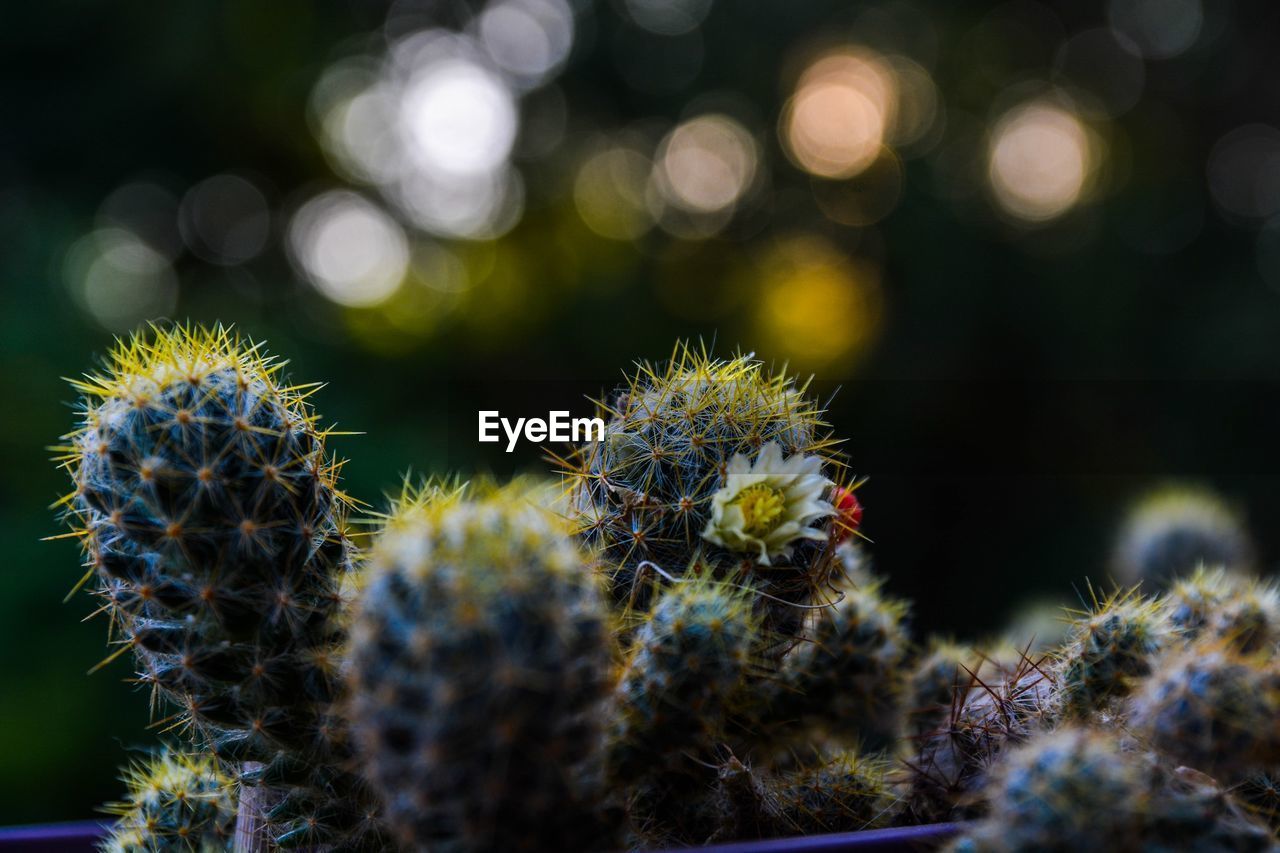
<point>1008,385</point>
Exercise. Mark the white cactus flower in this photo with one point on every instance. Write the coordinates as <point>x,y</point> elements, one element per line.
<point>764,507</point>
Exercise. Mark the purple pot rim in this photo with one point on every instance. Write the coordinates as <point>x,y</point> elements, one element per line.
<point>865,841</point>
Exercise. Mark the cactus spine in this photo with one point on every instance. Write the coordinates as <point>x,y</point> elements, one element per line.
<point>173,802</point>
<point>479,662</point>
<point>209,511</point>
<point>651,495</point>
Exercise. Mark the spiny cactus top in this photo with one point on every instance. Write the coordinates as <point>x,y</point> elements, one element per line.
<point>709,462</point>
<point>1175,529</point>
<point>1213,709</point>
<point>691,654</point>
<point>209,510</point>
<point>1110,647</point>
<point>480,658</point>
<point>173,802</point>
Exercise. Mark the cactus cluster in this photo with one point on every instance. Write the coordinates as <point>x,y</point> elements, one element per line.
<point>683,644</point>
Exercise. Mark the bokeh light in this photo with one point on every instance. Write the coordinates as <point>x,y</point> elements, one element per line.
<point>1040,160</point>
<point>348,248</point>
<point>1107,66</point>
<point>815,305</point>
<point>835,123</point>
<point>459,119</point>
<point>667,17</point>
<point>706,164</point>
<point>1244,172</point>
<point>528,39</point>
<point>225,220</point>
<point>609,193</point>
<point>1160,28</point>
<point>119,280</point>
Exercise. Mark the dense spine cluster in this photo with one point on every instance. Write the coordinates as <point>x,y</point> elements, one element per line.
<point>1213,709</point>
<point>1108,650</point>
<point>480,659</point>
<point>847,678</point>
<point>173,802</point>
<point>208,508</point>
<point>646,493</point>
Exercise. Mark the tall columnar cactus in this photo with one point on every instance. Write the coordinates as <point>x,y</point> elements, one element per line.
<point>1109,649</point>
<point>209,511</point>
<point>479,662</point>
<point>1213,709</point>
<point>1175,529</point>
<point>173,802</point>
<point>719,466</point>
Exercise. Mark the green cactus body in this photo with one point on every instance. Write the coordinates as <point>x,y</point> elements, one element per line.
<point>209,511</point>
<point>174,802</point>
<point>1110,648</point>
<point>646,495</point>
<point>479,662</point>
<point>1174,530</point>
<point>1214,710</point>
<point>848,678</point>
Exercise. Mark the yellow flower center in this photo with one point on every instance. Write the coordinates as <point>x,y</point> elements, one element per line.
<point>762,507</point>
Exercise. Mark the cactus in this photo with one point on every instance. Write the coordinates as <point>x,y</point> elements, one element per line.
<point>1175,529</point>
<point>845,793</point>
<point>1082,789</point>
<point>952,764</point>
<point>1260,794</point>
<point>690,658</point>
<point>1213,709</point>
<point>1193,602</point>
<point>715,464</point>
<point>209,511</point>
<point>174,802</point>
<point>848,678</point>
<point>479,662</point>
<point>1110,648</point>
<point>939,678</point>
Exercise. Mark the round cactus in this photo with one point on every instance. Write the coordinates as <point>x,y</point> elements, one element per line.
<point>847,678</point>
<point>1075,789</point>
<point>952,763</point>
<point>1174,530</point>
<point>716,464</point>
<point>174,802</point>
<point>1193,602</point>
<point>1212,709</point>
<point>1110,648</point>
<point>479,662</point>
<point>209,510</point>
<point>938,679</point>
<point>690,657</point>
<point>845,793</point>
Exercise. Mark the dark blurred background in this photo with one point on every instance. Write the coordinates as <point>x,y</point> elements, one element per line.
<point>1032,249</point>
